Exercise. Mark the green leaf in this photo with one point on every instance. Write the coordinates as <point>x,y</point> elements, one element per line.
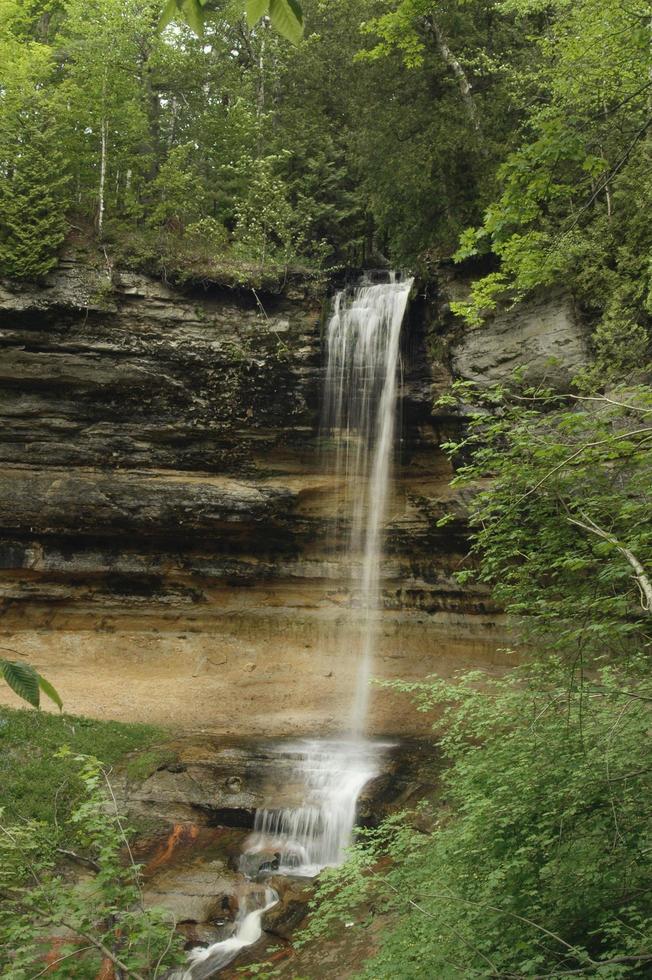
<point>193,14</point>
<point>50,691</point>
<point>287,18</point>
<point>255,10</point>
<point>22,679</point>
<point>170,13</point>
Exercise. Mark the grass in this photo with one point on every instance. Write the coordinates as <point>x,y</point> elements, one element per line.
<point>36,784</point>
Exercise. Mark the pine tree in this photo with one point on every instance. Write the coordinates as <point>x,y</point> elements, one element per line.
<point>33,198</point>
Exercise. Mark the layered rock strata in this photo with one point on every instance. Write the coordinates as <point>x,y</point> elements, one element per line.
<point>166,508</point>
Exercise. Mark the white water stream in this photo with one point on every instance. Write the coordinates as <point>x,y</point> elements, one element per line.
<point>360,415</point>
<point>205,963</point>
<point>308,838</point>
<point>362,369</point>
<point>359,420</point>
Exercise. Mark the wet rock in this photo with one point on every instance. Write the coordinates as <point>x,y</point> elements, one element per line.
<point>285,917</point>
<point>264,861</point>
<point>196,894</point>
<point>216,781</point>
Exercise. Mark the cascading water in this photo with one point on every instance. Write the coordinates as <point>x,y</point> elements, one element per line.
<point>313,836</point>
<point>204,963</point>
<point>359,421</point>
<point>359,413</point>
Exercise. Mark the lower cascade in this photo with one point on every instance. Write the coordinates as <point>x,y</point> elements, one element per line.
<point>254,901</point>
<point>303,840</point>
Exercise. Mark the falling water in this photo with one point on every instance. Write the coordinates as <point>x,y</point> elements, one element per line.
<point>359,414</point>
<point>359,421</point>
<point>308,838</point>
<point>204,963</point>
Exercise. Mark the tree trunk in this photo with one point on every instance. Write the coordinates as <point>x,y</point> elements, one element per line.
<point>456,68</point>
<point>100,207</point>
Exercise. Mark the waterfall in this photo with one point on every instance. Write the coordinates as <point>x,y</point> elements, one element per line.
<point>204,963</point>
<point>362,346</point>
<point>359,414</point>
<point>315,835</point>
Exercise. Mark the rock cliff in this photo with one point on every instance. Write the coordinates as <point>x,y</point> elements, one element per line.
<point>164,505</point>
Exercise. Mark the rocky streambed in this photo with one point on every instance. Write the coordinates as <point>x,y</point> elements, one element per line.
<point>195,799</point>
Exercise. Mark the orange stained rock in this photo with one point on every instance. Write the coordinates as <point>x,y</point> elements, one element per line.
<point>182,833</point>
<point>106,971</point>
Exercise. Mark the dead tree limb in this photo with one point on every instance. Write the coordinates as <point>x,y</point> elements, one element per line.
<point>462,80</point>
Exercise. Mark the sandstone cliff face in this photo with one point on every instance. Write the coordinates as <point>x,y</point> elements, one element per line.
<point>164,507</point>
<point>544,339</point>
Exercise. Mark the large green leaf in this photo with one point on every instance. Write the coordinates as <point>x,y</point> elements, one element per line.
<point>287,18</point>
<point>50,691</point>
<point>170,13</point>
<point>255,10</point>
<point>286,15</point>
<point>23,679</point>
<point>193,14</point>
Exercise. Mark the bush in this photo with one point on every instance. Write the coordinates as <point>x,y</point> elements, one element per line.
<point>100,923</point>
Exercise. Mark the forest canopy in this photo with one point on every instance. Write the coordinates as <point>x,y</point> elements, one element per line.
<point>511,139</point>
<point>513,134</point>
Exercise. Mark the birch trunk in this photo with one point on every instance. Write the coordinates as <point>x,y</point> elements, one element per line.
<point>456,68</point>
<point>100,208</point>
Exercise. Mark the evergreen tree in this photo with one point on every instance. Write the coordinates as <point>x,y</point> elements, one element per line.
<point>33,200</point>
<point>33,170</point>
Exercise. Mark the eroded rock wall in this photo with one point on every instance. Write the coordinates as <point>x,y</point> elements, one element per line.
<point>165,509</point>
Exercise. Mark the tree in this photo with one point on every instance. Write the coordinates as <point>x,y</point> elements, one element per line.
<point>103,103</point>
<point>34,183</point>
<point>572,194</point>
<point>562,528</point>
<point>537,863</point>
<point>534,859</point>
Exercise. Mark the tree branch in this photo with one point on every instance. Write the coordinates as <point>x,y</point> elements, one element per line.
<point>104,950</point>
<point>569,459</point>
<point>643,582</point>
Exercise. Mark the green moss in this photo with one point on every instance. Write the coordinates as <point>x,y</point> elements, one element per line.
<point>143,764</point>
<point>36,783</point>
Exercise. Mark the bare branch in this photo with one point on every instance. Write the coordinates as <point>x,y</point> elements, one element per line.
<point>643,582</point>
<point>578,452</point>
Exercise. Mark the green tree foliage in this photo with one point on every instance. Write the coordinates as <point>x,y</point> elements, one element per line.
<point>34,185</point>
<point>539,864</point>
<point>536,860</point>
<point>573,195</point>
<point>392,127</point>
<point>562,530</point>
<point>103,921</point>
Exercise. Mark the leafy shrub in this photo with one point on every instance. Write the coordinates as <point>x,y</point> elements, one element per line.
<point>101,922</point>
